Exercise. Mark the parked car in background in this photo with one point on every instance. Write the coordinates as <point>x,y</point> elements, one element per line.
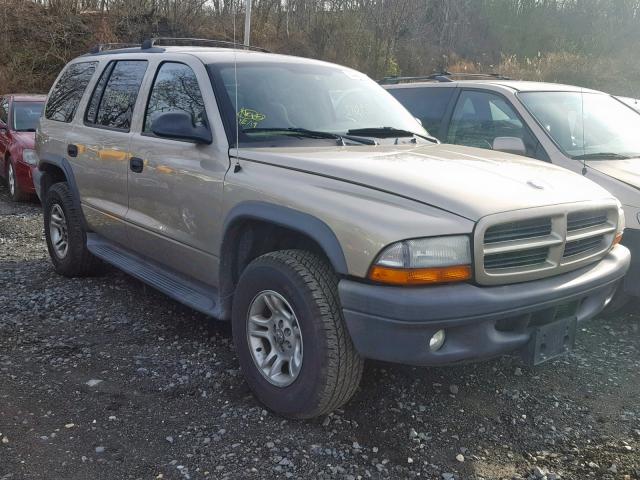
<point>19,115</point>
<point>632,102</point>
<point>585,131</point>
<point>328,228</point>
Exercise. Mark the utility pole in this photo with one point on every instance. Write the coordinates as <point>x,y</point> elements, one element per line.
<point>247,22</point>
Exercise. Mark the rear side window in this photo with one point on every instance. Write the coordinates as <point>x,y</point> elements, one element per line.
<point>427,104</point>
<point>115,95</point>
<point>66,95</point>
<point>175,89</point>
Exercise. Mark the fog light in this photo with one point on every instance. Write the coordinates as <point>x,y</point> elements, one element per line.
<point>436,341</point>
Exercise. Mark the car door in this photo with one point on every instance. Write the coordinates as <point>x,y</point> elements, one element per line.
<point>60,112</point>
<point>175,188</point>
<point>479,117</point>
<point>98,147</point>
<point>4,134</point>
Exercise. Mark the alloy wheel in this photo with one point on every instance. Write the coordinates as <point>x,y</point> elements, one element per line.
<point>58,231</point>
<point>275,339</point>
<point>12,180</point>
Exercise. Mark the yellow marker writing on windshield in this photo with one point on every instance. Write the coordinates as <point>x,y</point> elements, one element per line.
<point>250,118</point>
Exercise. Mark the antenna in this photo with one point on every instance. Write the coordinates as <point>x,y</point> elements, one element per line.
<point>237,167</point>
<point>584,151</point>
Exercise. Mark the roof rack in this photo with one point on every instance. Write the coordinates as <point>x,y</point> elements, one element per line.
<point>443,77</point>
<point>176,41</point>
<point>101,47</point>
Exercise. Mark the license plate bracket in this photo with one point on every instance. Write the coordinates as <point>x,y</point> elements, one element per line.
<point>551,341</point>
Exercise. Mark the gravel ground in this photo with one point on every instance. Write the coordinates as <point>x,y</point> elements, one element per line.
<point>104,378</point>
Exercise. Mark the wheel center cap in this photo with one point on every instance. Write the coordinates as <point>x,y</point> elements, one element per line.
<point>279,336</point>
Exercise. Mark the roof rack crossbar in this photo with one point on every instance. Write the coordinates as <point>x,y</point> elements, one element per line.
<point>442,77</point>
<point>177,41</point>
<point>101,47</point>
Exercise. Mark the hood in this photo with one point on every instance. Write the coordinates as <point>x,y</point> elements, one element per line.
<point>25,139</point>
<point>627,171</point>
<point>466,181</point>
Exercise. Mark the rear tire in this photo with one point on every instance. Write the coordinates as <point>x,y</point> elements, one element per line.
<point>15,192</point>
<point>329,369</point>
<point>65,235</point>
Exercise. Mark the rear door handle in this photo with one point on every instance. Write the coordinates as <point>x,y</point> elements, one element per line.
<point>136,164</point>
<point>72,150</point>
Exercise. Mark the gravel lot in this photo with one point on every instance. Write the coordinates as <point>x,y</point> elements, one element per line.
<point>104,378</point>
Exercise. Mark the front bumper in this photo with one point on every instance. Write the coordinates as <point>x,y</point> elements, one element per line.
<point>37,175</point>
<point>631,240</point>
<point>395,324</point>
<point>24,173</point>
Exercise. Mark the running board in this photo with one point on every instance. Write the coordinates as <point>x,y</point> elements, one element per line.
<point>189,292</point>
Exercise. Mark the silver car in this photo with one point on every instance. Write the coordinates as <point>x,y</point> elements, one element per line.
<point>588,132</point>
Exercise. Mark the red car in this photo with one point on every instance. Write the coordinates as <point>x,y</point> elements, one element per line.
<point>19,115</point>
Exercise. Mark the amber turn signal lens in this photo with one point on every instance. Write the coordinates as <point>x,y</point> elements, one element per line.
<point>420,276</point>
<point>617,240</point>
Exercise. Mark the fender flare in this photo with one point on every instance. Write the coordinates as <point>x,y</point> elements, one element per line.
<point>296,220</point>
<point>64,165</point>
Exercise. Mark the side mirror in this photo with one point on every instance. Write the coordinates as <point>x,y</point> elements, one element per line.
<point>513,145</point>
<point>178,125</point>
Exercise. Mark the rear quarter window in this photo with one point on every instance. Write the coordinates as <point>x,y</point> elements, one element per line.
<point>427,104</point>
<point>111,105</point>
<point>67,93</point>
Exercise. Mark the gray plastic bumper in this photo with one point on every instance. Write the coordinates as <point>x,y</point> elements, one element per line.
<point>631,240</point>
<point>37,174</point>
<point>395,324</point>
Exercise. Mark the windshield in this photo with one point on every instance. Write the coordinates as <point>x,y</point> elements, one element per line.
<point>26,115</point>
<point>586,125</point>
<point>275,101</point>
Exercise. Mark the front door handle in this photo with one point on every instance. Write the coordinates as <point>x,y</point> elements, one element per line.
<point>72,150</point>
<point>136,164</point>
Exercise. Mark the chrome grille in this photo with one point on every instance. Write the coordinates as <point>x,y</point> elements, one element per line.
<point>530,244</point>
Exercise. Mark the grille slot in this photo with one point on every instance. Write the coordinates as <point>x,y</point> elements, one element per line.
<point>582,246</point>
<point>522,258</point>
<point>537,227</point>
<point>589,219</point>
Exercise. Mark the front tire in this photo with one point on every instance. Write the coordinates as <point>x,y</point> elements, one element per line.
<point>292,342</point>
<point>65,235</point>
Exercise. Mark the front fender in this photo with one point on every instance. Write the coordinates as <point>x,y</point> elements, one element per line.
<point>295,220</point>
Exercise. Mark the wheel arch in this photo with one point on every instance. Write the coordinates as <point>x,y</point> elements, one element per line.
<point>55,169</point>
<point>254,228</point>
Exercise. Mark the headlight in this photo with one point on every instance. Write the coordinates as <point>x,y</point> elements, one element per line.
<point>424,261</point>
<point>29,156</point>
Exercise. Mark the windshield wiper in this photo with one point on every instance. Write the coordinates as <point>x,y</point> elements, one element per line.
<point>303,132</point>
<point>389,132</point>
<point>601,156</point>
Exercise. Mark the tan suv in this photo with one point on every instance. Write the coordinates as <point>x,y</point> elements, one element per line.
<point>299,200</point>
